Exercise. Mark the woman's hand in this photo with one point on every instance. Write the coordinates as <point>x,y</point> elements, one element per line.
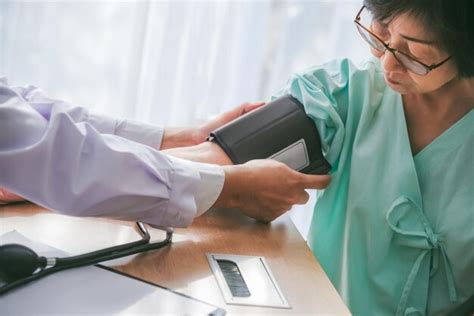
<point>265,189</point>
<point>8,197</point>
<point>188,136</point>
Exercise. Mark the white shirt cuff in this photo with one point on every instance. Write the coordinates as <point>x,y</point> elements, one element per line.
<point>210,184</point>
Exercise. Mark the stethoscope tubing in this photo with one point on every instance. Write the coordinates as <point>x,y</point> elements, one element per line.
<point>95,257</point>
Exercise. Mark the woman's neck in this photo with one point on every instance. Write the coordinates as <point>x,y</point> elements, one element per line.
<point>454,98</point>
<point>429,115</point>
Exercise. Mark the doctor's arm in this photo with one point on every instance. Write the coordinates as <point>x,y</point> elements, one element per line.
<point>147,134</point>
<point>71,167</point>
<point>189,136</point>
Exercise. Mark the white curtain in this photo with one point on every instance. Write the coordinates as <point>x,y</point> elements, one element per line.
<point>171,62</point>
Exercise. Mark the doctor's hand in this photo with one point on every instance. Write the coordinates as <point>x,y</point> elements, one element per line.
<point>8,197</point>
<point>265,189</point>
<point>189,136</point>
<point>203,131</point>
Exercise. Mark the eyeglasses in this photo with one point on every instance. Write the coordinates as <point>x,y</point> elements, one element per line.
<point>410,63</point>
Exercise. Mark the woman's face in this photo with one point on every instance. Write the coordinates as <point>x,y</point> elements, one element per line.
<point>405,34</point>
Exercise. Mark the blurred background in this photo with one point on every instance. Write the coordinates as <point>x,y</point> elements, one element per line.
<point>172,62</point>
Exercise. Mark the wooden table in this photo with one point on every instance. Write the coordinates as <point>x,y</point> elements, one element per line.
<point>183,266</point>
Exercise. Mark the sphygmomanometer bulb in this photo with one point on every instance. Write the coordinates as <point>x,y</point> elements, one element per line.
<point>17,262</point>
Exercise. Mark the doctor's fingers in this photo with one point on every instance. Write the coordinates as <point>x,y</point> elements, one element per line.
<point>268,214</point>
<point>303,197</point>
<point>289,198</point>
<point>247,107</point>
<point>7,196</point>
<point>308,181</point>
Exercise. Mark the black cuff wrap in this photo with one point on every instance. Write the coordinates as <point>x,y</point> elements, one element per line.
<point>279,130</point>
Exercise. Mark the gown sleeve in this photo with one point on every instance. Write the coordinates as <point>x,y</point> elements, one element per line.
<point>326,93</point>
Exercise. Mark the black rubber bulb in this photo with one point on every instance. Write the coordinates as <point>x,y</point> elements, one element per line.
<point>17,262</point>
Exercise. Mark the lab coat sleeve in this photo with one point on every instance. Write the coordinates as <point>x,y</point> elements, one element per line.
<point>147,134</point>
<point>53,159</point>
<point>325,93</point>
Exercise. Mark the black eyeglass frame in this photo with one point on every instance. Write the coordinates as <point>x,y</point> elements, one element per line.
<point>427,68</point>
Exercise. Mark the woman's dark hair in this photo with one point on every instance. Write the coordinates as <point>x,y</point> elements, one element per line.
<point>451,22</point>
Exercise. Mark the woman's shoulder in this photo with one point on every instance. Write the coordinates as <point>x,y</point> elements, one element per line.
<point>355,87</point>
<point>343,70</point>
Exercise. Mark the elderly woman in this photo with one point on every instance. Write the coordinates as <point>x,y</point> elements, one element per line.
<point>395,229</point>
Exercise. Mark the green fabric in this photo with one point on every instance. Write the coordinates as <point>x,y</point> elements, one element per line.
<point>394,233</point>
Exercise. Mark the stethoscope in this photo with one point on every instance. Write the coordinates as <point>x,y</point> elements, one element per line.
<point>20,265</point>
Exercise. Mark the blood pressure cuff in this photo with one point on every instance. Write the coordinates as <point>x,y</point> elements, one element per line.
<point>280,130</point>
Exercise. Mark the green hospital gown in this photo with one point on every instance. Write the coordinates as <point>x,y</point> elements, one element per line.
<point>393,231</point>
